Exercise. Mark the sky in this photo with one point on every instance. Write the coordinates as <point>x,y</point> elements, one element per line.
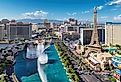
<point>108,10</point>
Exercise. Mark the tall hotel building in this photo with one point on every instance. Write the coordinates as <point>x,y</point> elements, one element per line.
<point>86,33</point>
<point>15,30</point>
<point>112,33</point>
<point>2,31</point>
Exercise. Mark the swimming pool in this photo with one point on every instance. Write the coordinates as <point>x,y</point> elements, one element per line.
<point>110,49</point>
<point>26,70</point>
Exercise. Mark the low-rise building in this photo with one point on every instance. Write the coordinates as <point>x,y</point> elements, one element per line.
<point>116,61</point>
<point>99,60</point>
<point>37,28</point>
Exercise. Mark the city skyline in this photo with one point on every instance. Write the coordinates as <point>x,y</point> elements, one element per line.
<point>37,44</point>
<point>108,10</point>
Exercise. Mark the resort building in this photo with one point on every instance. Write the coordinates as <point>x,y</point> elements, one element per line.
<point>34,27</point>
<point>39,27</point>
<point>2,31</point>
<point>19,30</point>
<point>11,30</point>
<point>101,60</point>
<point>71,21</point>
<point>71,29</point>
<point>93,54</point>
<point>86,33</point>
<point>112,33</point>
<point>47,24</point>
<point>3,28</point>
<point>83,32</point>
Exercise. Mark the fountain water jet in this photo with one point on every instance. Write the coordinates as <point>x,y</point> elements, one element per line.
<point>42,59</point>
<point>31,52</point>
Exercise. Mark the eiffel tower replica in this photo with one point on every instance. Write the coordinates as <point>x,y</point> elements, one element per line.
<point>94,45</point>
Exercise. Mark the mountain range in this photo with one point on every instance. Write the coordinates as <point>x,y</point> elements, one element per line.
<point>38,20</point>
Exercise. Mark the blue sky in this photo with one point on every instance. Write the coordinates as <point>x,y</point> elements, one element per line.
<point>108,10</point>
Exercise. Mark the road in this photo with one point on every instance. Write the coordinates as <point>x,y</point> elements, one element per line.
<point>86,77</point>
<point>89,78</point>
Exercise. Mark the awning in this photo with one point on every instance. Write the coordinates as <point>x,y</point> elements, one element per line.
<point>118,71</point>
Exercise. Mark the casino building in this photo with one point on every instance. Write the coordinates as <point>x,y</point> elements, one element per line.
<point>11,30</point>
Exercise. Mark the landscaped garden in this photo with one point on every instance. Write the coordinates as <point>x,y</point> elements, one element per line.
<point>6,63</point>
<point>4,72</point>
<point>70,61</point>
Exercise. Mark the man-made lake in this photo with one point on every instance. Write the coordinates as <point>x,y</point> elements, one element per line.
<point>26,70</point>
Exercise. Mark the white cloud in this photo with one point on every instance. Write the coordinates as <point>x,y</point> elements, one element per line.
<point>85,12</point>
<point>71,14</point>
<point>74,13</point>
<point>62,19</point>
<point>100,7</point>
<point>114,2</point>
<point>114,9</point>
<point>104,17</point>
<point>117,6</point>
<point>40,14</point>
<point>117,17</point>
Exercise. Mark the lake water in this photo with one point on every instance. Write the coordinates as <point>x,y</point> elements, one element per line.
<point>26,70</point>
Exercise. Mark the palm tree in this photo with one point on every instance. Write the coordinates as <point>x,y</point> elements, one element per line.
<point>2,65</point>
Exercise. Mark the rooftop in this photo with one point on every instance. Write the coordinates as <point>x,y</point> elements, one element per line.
<point>106,54</point>
<point>113,23</point>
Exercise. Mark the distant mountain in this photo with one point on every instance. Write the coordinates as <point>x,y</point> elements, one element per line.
<point>38,20</point>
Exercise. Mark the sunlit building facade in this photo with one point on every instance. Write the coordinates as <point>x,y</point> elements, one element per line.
<point>11,30</point>
<point>86,33</point>
<point>19,30</point>
<point>112,33</point>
